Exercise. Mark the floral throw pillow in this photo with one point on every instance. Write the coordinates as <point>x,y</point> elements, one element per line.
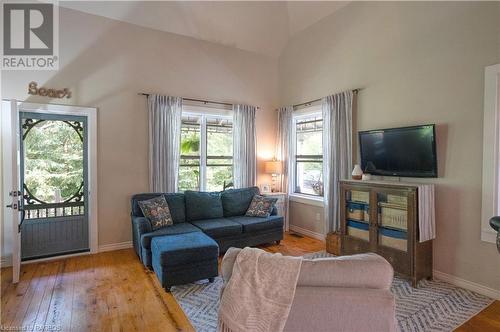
<point>261,206</point>
<point>157,211</point>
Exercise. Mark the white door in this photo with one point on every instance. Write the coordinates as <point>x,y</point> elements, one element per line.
<point>12,168</point>
<point>11,136</point>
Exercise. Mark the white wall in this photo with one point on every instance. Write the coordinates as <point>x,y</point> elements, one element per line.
<point>416,63</point>
<point>307,219</point>
<point>106,63</point>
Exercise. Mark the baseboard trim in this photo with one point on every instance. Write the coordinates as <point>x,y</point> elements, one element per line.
<point>472,286</point>
<point>488,235</point>
<point>6,261</point>
<point>115,246</point>
<point>307,232</point>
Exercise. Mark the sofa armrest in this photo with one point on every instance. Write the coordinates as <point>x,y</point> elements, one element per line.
<point>140,225</point>
<point>274,211</point>
<point>356,271</point>
<point>336,309</point>
<point>228,263</point>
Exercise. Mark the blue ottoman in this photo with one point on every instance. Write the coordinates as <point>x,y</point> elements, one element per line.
<point>184,258</point>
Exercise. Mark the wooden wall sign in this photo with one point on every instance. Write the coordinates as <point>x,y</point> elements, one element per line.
<point>33,89</point>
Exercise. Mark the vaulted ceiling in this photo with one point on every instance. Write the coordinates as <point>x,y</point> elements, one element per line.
<point>258,26</point>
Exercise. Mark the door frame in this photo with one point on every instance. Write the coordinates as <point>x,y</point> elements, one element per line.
<point>91,114</point>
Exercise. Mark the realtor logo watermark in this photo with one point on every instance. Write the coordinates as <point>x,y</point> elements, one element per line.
<point>30,36</point>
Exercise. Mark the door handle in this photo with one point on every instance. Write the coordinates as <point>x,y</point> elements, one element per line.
<point>23,215</point>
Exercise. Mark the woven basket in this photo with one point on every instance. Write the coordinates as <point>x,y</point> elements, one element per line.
<point>333,243</point>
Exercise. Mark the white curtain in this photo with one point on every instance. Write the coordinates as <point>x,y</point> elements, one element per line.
<point>165,114</point>
<point>284,145</point>
<point>337,152</point>
<point>244,141</point>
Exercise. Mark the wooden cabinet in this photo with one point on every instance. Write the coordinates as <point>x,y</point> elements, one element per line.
<point>382,217</point>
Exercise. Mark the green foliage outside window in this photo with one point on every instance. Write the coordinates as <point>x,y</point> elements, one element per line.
<point>219,148</point>
<point>189,170</point>
<point>219,144</point>
<point>53,161</point>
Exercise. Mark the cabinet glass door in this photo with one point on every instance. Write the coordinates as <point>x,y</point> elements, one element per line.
<point>392,223</point>
<point>358,214</point>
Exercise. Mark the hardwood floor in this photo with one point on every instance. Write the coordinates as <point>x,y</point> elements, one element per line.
<point>487,320</point>
<point>109,291</point>
<point>112,291</point>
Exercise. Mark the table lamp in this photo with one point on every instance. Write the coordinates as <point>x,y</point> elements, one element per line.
<point>273,167</point>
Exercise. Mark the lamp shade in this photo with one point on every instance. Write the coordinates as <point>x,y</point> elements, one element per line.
<point>273,167</point>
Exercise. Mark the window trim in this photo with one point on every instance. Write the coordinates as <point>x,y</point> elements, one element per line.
<point>204,113</point>
<point>491,152</point>
<point>307,199</point>
<point>303,113</point>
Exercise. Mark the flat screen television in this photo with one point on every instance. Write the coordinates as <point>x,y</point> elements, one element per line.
<point>404,152</point>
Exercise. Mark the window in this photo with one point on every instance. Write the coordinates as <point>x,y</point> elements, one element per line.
<point>219,162</point>
<point>308,154</point>
<point>206,152</point>
<point>189,167</point>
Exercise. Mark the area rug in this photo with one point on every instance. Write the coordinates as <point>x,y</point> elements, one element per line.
<point>432,306</point>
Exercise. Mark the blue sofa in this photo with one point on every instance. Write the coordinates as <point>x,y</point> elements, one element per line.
<point>220,215</point>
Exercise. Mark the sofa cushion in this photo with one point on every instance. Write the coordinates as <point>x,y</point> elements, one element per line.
<point>203,205</point>
<point>157,211</point>
<point>219,227</point>
<point>175,203</point>
<point>235,202</point>
<point>257,224</point>
<point>261,206</point>
<point>184,249</point>
<point>170,230</point>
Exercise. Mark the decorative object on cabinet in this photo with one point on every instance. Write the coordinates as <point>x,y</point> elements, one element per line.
<point>266,188</point>
<point>281,206</point>
<point>357,172</point>
<point>392,219</point>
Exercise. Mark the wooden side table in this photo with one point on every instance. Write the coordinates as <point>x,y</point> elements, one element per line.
<point>281,206</point>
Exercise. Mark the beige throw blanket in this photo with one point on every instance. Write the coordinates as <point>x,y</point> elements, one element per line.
<point>259,295</point>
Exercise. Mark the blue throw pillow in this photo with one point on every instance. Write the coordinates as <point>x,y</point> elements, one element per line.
<point>203,205</point>
<point>261,206</point>
<point>157,211</point>
<point>236,201</point>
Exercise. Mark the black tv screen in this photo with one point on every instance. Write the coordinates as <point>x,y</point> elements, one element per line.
<point>405,152</point>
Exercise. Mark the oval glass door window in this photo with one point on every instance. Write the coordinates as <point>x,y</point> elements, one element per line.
<point>53,160</point>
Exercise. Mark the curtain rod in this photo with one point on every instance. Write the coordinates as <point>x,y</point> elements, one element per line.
<point>198,100</point>
<point>319,99</point>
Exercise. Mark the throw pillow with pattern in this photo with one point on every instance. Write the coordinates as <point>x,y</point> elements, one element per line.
<point>157,211</point>
<point>261,206</point>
